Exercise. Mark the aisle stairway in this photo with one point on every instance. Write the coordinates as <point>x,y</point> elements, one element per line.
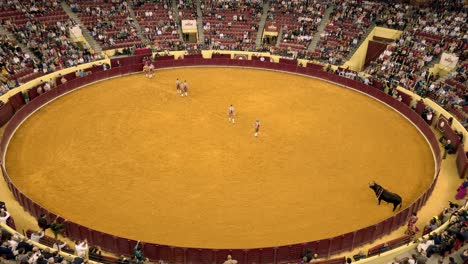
<point>323,24</point>
<point>280,37</point>
<point>201,35</point>
<point>137,25</point>
<point>23,47</point>
<point>86,34</point>
<point>261,24</point>
<point>175,12</point>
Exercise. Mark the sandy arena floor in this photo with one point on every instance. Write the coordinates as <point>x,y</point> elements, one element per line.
<point>153,166</point>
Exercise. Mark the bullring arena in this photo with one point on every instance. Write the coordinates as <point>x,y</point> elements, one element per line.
<point>164,156</point>
<point>136,173</point>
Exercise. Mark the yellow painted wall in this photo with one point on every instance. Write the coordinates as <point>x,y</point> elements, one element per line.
<point>356,63</point>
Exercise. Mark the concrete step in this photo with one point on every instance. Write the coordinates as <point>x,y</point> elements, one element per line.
<point>261,25</point>
<point>178,19</point>
<point>201,35</point>
<point>137,25</point>
<point>321,27</point>
<point>280,37</point>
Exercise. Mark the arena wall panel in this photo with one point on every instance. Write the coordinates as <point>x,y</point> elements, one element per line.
<point>85,232</point>
<point>253,256</point>
<point>336,245</point>
<point>379,229</point>
<point>179,255</point>
<point>28,204</point>
<point>123,246</point>
<point>462,161</point>
<point>347,241</point>
<point>72,230</point>
<point>369,234</point>
<point>17,101</point>
<point>108,242</point>
<point>6,113</point>
<point>268,255</point>
<point>324,247</point>
<point>152,252</point>
<point>166,253</point>
<point>32,93</point>
<point>405,214</point>
<point>387,228</point>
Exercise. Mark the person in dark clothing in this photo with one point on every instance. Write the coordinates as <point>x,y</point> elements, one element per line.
<point>6,252</point>
<point>433,249</point>
<point>306,256</point>
<point>41,260</point>
<point>42,222</point>
<point>25,245</point>
<point>57,257</point>
<point>448,148</point>
<point>46,253</point>
<point>78,260</point>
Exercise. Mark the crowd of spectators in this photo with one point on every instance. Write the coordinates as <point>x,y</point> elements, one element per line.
<point>297,21</point>
<point>14,64</point>
<point>394,15</point>
<point>349,22</point>
<point>187,10</point>
<point>21,249</point>
<point>231,25</point>
<point>43,27</point>
<point>109,22</point>
<point>431,31</point>
<point>158,23</point>
<point>452,238</point>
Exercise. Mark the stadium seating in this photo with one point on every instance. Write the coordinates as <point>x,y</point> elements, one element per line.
<point>231,25</point>
<point>157,23</point>
<point>298,23</point>
<point>349,22</point>
<point>109,23</point>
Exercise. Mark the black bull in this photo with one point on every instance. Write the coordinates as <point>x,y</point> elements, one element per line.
<point>385,195</point>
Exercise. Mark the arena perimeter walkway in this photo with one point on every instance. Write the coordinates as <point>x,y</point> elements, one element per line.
<point>151,165</point>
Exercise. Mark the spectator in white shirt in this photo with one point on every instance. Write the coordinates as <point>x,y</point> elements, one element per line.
<point>40,90</point>
<point>58,246</point>
<point>37,235</point>
<point>47,87</point>
<point>4,215</point>
<point>429,117</point>
<point>13,242</point>
<point>422,247</point>
<point>82,248</point>
<point>35,255</point>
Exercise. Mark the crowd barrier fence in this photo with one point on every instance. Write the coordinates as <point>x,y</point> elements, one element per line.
<point>16,110</point>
